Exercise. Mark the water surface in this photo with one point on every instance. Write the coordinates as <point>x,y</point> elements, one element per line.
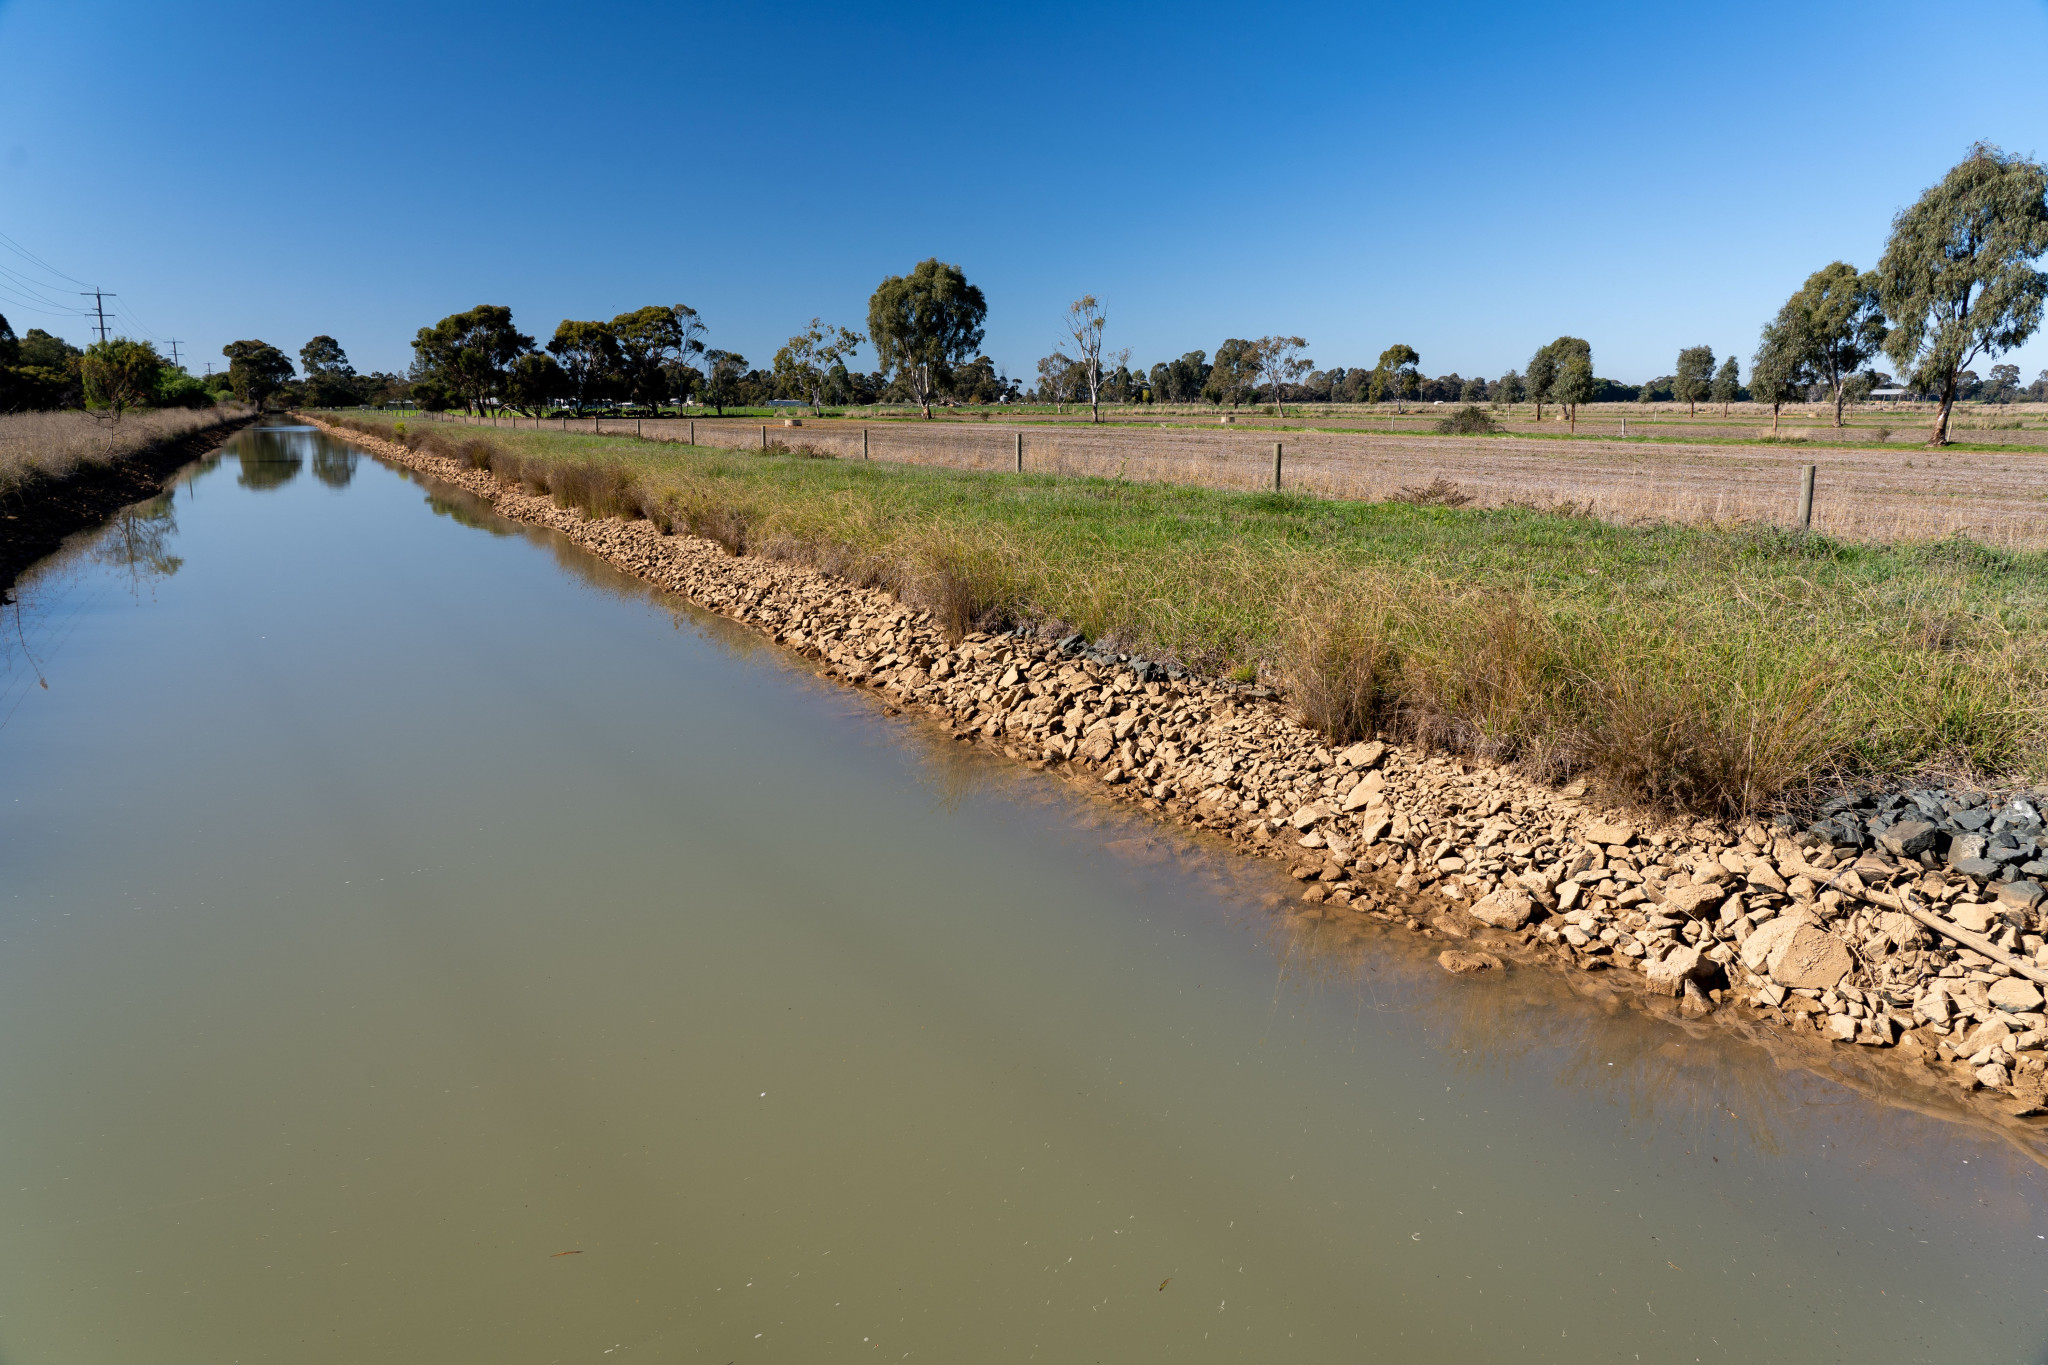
<point>418,942</point>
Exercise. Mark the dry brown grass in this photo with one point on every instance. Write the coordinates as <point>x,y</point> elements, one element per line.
<point>43,446</point>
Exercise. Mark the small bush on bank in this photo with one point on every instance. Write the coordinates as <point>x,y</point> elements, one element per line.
<point>1470,420</point>
<point>1438,492</point>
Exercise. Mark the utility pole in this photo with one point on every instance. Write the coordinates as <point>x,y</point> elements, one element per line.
<point>175,364</point>
<point>99,299</point>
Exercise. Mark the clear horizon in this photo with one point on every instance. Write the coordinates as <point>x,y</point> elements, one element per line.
<point>1472,184</point>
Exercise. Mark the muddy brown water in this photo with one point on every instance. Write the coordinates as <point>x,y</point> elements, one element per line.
<point>421,943</point>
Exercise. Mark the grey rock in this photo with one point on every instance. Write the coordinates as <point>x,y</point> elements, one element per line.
<point>2022,895</point>
<point>1909,838</point>
<point>1983,869</point>
<point>1965,847</point>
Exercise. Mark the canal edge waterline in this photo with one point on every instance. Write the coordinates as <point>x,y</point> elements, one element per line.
<point>1413,850</point>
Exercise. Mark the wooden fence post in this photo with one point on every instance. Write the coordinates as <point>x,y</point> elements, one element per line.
<point>764,437</point>
<point>1020,452</point>
<point>1276,466</point>
<point>1806,498</point>
<point>864,444</point>
<point>693,431</point>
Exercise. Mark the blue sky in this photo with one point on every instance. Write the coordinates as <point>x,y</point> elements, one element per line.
<point>1472,180</point>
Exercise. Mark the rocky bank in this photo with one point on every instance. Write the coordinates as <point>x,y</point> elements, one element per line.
<point>1909,921</point>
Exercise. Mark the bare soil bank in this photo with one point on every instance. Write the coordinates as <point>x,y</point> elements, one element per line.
<point>35,519</point>
<point>1890,955</point>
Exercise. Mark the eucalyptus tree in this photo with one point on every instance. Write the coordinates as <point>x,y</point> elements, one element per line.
<point>807,360</point>
<point>1182,380</point>
<point>588,353</point>
<point>1840,326</point>
<point>1694,377</point>
<point>1957,278</point>
<point>467,354</point>
<point>1084,325</point>
<point>722,382</point>
<point>1574,384</point>
<point>1777,372</point>
<point>651,344</point>
<point>1548,363</point>
<point>1727,384</point>
<point>923,323</point>
<point>534,381</point>
<point>1509,389</point>
<point>256,370</point>
<point>1057,374</point>
<point>1542,374</point>
<point>1279,362</point>
<point>1235,374</point>
<point>1396,375</point>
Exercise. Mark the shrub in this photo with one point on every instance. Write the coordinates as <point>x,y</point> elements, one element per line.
<point>1438,492</point>
<point>1470,420</point>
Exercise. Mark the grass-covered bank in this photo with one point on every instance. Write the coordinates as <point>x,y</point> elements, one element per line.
<point>63,471</point>
<point>1710,668</point>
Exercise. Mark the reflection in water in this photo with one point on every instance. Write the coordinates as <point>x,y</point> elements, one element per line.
<point>270,458</point>
<point>138,538</point>
<point>466,509</point>
<point>334,464</point>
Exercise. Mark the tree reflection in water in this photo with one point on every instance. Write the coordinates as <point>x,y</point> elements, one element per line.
<point>334,464</point>
<point>138,540</point>
<point>270,459</point>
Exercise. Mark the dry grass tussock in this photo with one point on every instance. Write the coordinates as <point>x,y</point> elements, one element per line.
<point>1720,696</point>
<point>41,446</point>
<point>1653,707</point>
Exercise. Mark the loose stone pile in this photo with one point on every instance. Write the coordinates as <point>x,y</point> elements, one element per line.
<point>1907,921</point>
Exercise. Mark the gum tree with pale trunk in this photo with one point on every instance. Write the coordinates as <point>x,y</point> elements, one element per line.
<point>1957,279</point>
<point>1279,362</point>
<point>1085,322</point>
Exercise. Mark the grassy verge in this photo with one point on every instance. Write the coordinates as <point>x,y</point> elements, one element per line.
<point>1711,669</point>
<point>45,447</point>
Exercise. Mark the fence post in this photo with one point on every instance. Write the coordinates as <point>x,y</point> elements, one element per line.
<point>764,438</point>
<point>864,444</point>
<point>636,427</point>
<point>1020,452</point>
<point>693,431</point>
<point>1806,498</point>
<point>1276,466</point>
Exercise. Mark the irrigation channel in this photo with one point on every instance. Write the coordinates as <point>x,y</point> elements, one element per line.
<point>423,943</point>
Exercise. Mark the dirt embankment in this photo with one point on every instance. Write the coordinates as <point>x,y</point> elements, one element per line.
<point>1892,951</point>
<point>35,519</point>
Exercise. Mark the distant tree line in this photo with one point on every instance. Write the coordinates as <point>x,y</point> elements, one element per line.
<point>1956,287</point>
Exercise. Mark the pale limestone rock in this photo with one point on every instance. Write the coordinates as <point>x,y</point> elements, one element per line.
<point>1810,957</point>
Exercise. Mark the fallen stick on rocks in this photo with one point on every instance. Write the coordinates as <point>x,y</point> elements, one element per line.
<point>1904,904</point>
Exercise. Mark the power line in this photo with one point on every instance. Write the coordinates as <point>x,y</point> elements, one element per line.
<point>18,249</point>
<point>99,299</point>
<point>175,363</point>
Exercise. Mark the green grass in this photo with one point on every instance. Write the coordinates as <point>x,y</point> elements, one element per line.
<point>1714,669</point>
